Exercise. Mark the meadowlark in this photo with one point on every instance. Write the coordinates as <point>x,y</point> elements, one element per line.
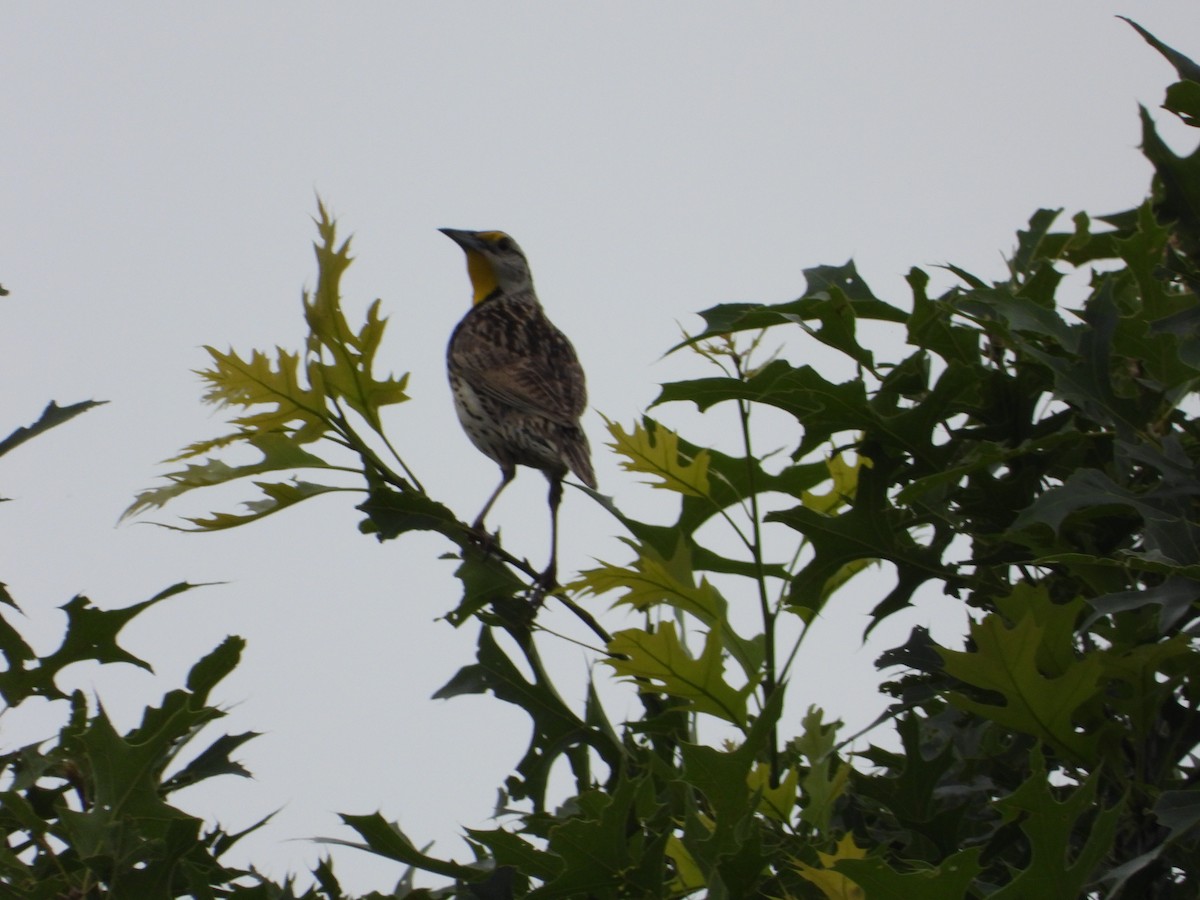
<point>518,387</point>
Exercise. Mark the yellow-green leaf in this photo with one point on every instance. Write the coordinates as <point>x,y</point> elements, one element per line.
<point>279,452</point>
<point>659,662</point>
<point>834,885</point>
<point>655,451</point>
<point>688,875</point>
<point>343,357</point>
<point>844,476</point>
<point>279,495</point>
<point>779,801</point>
<point>652,580</point>
<point>262,381</point>
<point>322,308</point>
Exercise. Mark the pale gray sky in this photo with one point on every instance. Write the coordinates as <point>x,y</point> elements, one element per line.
<point>157,178</point>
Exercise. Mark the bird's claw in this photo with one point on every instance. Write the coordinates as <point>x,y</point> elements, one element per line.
<point>546,583</point>
<point>484,539</point>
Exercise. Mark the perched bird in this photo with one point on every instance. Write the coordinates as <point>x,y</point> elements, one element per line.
<point>517,383</point>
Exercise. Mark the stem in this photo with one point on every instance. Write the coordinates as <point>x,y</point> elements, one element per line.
<point>787,666</point>
<point>770,684</point>
<point>585,617</point>
<point>359,446</point>
<point>523,566</point>
<point>599,651</point>
<point>403,464</point>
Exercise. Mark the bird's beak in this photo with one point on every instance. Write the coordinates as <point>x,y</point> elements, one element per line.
<point>468,240</point>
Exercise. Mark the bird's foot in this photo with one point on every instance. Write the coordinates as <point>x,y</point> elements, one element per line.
<point>483,539</point>
<point>546,583</point>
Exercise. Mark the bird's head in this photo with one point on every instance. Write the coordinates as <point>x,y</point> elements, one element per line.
<point>494,261</point>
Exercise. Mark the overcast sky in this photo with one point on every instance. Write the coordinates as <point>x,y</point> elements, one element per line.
<point>158,169</point>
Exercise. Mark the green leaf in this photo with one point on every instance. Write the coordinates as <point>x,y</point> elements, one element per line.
<point>53,415</point>
<point>823,408</point>
<point>212,761</point>
<point>1068,838</point>
<point>723,777</point>
<point>348,376</point>
<point>595,849</point>
<point>827,777</point>
<point>1180,180</point>
<point>209,671</point>
<point>733,480</point>
<point>91,634</point>
<point>930,326</point>
<point>833,884</point>
<point>1183,99</point>
<point>171,856</point>
<point>834,295</point>
<point>125,776</point>
<point>126,833</point>
<point>658,661</point>
<point>1178,811</point>
<point>385,839</point>
<point>1187,69</point>
<point>16,652</point>
<point>952,879</point>
<point>556,729</point>
<point>778,800</point>
<point>1175,596</point>
<point>924,787</point>
<point>391,513</point>
<point>873,528</point>
<point>291,400</point>
<point>1031,245</point>
<point>1167,528</point>
<point>486,580</point>
<point>509,849</point>
<point>838,327</point>
<point>294,407</point>
<point>1005,662</point>
<point>1000,311</point>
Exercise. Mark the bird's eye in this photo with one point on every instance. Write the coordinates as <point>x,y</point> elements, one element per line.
<point>505,244</point>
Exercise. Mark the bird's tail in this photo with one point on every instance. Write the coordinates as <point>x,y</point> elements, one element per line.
<point>578,456</point>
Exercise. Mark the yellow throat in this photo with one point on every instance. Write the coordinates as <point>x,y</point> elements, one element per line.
<point>483,279</point>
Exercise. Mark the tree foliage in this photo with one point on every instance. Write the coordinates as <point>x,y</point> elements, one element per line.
<point>1030,453</point>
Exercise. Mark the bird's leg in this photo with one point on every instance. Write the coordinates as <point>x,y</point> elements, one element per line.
<point>507,474</point>
<point>548,580</point>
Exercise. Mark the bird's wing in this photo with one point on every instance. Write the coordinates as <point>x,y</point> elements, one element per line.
<point>535,370</point>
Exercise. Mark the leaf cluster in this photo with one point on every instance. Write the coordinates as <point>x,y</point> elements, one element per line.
<point>1028,460</point>
<point>91,812</point>
<point>293,403</point>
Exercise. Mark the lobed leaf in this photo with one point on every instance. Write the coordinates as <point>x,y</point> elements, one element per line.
<point>91,635</point>
<point>1068,838</point>
<point>1005,662</point>
<point>652,580</point>
<point>52,416</point>
<point>952,879</point>
<point>279,496</point>
<point>653,449</point>
<point>659,662</point>
<point>280,452</point>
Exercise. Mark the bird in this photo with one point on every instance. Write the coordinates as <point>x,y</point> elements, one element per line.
<point>518,387</point>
